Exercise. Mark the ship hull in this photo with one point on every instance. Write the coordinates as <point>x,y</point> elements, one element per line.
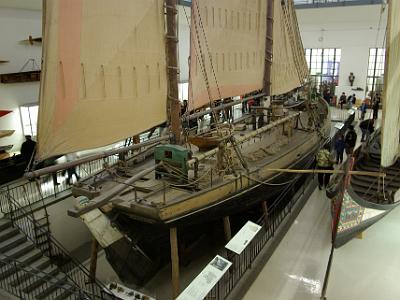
<point>364,200</point>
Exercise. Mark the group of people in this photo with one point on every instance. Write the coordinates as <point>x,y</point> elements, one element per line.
<point>324,159</point>
<point>343,143</point>
<point>350,100</point>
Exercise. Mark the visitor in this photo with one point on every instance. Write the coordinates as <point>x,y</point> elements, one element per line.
<point>342,100</point>
<point>375,109</point>
<point>28,149</point>
<point>324,162</point>
<point>327,96</point>
<point>363,109</point>
<point>350,140</point>
<point>339,147</point>
<point>72,170</point>
<point>367,128</point>
<point>351,100</point>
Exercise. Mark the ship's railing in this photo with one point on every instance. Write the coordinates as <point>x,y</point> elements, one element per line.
<point>270,223</point>
<point>25,221</point>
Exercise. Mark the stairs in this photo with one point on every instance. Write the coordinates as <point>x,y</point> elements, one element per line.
<point>24,268</point>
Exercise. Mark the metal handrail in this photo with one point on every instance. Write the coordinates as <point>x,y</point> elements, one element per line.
<point>28,227</point>
<point>15,266</point>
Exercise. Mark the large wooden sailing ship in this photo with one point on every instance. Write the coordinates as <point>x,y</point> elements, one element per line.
<point>360,201</point>
<point>115,76</point>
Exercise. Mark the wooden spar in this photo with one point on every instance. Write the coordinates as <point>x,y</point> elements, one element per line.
<point>107,196</point>
<point>67,165</point>
<point>242,139</point>
<point>93,259</point>
<point>269,48</point>
<point>173,70</point>
<point>365,173</point>
<point>220,107</point>
<point>173,238</point>
<point>227,229</point>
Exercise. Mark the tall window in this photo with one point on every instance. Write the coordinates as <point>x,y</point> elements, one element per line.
<point>29,116</point>
<point>376,67</point>
<point>183,91</point>
<point>324,64</point>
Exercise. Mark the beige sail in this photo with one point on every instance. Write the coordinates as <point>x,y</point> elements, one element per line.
<point>289,66</point>
<point>103,75</point>
<point>232,35</point>
<point>391,103</point>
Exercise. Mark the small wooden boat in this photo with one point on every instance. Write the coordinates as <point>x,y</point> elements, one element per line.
<point>4,133</point>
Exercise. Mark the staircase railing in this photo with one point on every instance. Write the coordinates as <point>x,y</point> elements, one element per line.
<point>22,276</point>
<point>50,247</point>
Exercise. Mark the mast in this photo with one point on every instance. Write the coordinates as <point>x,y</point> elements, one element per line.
<point>269,48</point>
<point>173,70</point>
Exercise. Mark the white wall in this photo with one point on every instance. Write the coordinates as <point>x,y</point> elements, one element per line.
<point>17,25</point>
<point>354,29</point>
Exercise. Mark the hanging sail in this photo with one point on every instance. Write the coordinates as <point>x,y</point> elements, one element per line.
<point>103,75</point>
<point>228,39</point>
<point>228,49</point>
<point>391,104</point>
<point>289,66</point>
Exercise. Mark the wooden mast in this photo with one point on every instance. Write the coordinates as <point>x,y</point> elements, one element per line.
<point>174,109</point>
<point>269,48</point>
<point>174,106</point>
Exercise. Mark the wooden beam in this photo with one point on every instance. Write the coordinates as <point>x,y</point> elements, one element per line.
<point>109,195</point>
<point>362,173</point>
<point>93,259</point>
<point>227,228</point>
<point>173,237</point>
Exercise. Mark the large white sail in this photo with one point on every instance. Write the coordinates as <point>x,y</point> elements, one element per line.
<point>103,75</point>
<point>391,102</point>
<point>232,34</point>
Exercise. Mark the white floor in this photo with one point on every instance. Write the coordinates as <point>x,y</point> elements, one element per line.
<point>367,268</point>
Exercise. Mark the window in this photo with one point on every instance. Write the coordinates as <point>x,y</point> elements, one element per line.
<point>376,68</point>
<point>183,91</point>
<point>324,64</point>
<point>29,116</point>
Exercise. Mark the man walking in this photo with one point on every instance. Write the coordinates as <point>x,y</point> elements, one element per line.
<point>350,140</point>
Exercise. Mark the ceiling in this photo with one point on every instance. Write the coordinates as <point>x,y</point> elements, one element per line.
<point>22,4</point>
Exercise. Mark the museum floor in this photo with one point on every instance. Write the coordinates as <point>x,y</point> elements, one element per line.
<point>366,268</point>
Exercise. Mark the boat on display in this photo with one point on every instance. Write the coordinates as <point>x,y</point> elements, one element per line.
<point>359,201</point>
<point>116,76</point>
